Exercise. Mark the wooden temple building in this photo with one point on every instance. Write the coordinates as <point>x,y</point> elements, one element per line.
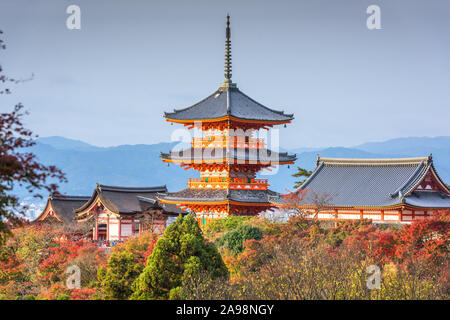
<point>383,190</point>
<point>113,213</point>
<point>227,154</point>
<point>61,209</point>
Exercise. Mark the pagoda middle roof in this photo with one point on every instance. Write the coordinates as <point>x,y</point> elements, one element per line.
<point>238,154</point>
<point>228,102</point>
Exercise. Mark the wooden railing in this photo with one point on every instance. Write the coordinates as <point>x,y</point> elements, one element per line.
<point>228,183</point>
<point>227,141</point>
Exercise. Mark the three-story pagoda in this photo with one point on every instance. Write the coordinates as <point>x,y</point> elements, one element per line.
<point>227,154</point>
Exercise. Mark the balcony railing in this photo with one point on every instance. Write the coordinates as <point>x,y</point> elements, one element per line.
<point>228,183</point>
<point>227,141</point>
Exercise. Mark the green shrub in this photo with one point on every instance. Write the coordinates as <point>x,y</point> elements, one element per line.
<point>234,240</point>
<point>224,225</point>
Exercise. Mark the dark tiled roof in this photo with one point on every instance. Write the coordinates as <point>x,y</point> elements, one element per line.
<point>218,195</point>
<point>240,154</point>
<point>428,199</point>
<point>64,206</point>
<point>148,203</point>
<point>368,182</point>
<point>229,102</point>
<point>133,189</point>
<point>128,200</point>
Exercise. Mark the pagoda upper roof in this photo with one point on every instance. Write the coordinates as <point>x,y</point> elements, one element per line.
<point>234,154</point>
<point>218,195</point>
<point>228,102</point>
<point>375,183</point>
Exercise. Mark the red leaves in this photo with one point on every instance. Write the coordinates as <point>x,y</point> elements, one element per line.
<point>53,267</point>
<point>19,167</point>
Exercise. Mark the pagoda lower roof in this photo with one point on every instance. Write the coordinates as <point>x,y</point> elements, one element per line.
<point>213,155</point>
<point>218,196</point>
<point>228,102</point>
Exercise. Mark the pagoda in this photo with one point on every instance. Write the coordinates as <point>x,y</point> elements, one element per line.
<point>227,154</point>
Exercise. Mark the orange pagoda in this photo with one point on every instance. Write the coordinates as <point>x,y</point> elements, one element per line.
<point>227,154</point>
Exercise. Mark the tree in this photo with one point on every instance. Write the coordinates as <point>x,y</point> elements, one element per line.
<point>124,265</point>
<point>299,174</point>
<point>234,240</point>
<point>221,226</point>
<point>305,212</point>
<point>19,168</point>
<point>116,279</point>
<point>179,255</point>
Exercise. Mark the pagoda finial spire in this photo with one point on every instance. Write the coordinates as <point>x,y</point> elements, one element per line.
<point>227,82</point>
<point>228,51</point>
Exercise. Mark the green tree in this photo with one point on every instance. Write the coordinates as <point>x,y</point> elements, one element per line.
<point>234,240</point>
<point>300,174</point>
<point>220,226</point>
<point>178,255</point>
<point>116,279</point>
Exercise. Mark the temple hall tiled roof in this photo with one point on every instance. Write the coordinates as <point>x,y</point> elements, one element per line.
<point>372,182</point>
<point>64,206</point>
<point>229,101</point>
<point>238,154</point>
<point>428,199</point>
<point>129,200</point>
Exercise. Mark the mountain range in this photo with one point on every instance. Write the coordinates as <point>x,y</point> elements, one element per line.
<point>140,165</point>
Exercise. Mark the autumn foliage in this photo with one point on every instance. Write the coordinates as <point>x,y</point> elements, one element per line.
<point>296,259</point>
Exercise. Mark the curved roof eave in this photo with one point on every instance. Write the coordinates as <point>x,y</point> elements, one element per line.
<point>227,109</point>
<point>96,195</point>
<point>47,205</point>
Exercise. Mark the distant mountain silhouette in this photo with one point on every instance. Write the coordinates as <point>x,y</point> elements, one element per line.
<point>140,165</point>
<point>61,143</point>
<point>407,145</point>
<point>439,147</point>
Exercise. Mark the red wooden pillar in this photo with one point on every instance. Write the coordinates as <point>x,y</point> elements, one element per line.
<point>361,214</point>
<point>400,214</point>
<point>107,228</point>
<point>132,226</point>
<point>96,229</point>
<point>336,215</point>
<point>382,215</point>
<point>120,228</point>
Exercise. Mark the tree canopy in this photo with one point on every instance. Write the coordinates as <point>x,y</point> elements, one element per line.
<point>178,255</point>
<point>18,167</point>
<point>299,174</point>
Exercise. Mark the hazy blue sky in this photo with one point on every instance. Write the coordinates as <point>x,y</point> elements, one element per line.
<point>110,82</point>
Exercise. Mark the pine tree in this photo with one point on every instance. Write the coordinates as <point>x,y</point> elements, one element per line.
<point>117,277</point>
<point>181,253</point>
<point>301,173</point>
